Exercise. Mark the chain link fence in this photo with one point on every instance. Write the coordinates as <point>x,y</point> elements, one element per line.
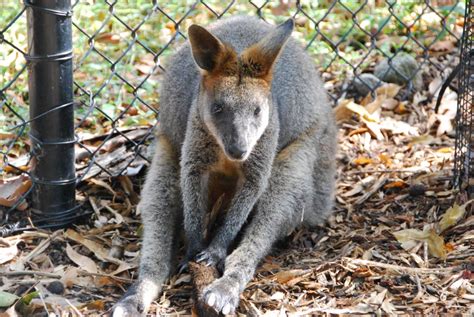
<point>119,48</point>
<point>464,149</point>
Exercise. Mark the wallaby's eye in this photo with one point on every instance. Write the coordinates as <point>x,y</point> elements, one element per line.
<point>217,108</point>
<point>257,111</point>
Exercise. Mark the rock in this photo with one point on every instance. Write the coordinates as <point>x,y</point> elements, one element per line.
<point>417,190</point>
<point>399,70</point>
<point>366,83</point>
<point>56,287</point>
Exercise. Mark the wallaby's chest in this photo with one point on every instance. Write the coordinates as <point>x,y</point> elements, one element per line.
<point>221,183</point>
<point>224,178</point>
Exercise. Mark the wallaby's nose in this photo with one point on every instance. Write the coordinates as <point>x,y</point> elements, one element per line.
<point>236,152</point>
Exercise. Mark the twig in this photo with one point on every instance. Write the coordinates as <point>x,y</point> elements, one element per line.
<point>421,270</point>
<point>40,248</point>
<point>74,308</point>
<point>122,279</point>
<point>42,301</point>
<point>406,170</point>
<point>379,183</point>
<point>36,273</point>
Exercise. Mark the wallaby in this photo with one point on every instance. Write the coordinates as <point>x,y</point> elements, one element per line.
<point>243,114</point>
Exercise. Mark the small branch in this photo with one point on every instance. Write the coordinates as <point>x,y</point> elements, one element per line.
<point>36,273</point>
<point>421,270</point>
<point>373,171</point>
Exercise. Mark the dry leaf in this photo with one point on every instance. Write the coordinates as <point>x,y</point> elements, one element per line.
<point>107,38</point>
<point>283,277</point>
<point>401,108</point>
<point>442,46</point>
<point>103,184</point>
<point>385,159</point>
<point>70,276</point>
<point>8,252</point>
<point>362,160</point>
<point>397,127</point>
<point>12,189</point>
<point>341,112</point>
<point>99,251</point>
<point>358,131</point>
<point>435,242</point>
<point>395,184</point>
<point>360,186</point>
<point>409,234</point>
<point>389,90</point>
<point>375,129</point>
<point>82,261</point>
<point>425,139</point>
<point>375,105</point>
<point>278,296</point>
<point>445,150</point>
<point>436,245</point>
<point>361,111</point>
<point>452,216</point>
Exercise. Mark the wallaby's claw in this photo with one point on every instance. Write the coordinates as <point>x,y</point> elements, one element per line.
<point>210,257</point>
<point>183,266</point>
<point>205,257</point>
<point>223,296</point>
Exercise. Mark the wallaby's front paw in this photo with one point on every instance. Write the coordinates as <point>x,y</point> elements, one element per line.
<point>135,301</point>
<point>211,256</point>
<point>222,295</point>
<point>128,306</point>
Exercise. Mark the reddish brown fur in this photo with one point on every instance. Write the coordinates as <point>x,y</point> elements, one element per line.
<point>252,63</point>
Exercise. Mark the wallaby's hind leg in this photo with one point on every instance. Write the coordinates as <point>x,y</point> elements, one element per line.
<point>161,210</point>
<point>323,182</point>
<point>279,211</point>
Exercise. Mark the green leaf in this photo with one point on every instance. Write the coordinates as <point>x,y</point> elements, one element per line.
<point>29,297</point>
<point>7,299</point>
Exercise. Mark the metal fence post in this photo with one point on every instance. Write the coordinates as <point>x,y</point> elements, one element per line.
<point>51,111</point>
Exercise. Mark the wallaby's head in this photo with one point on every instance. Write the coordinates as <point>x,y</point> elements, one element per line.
<point>235,100</point>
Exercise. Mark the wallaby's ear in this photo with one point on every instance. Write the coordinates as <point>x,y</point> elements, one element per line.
<point>208,51</point>
<point>258,59</point>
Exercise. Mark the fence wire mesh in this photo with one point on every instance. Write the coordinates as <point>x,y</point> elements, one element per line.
<point>119,48</point>
<point>464,151</point>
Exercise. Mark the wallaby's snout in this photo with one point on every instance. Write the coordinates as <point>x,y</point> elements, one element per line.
<point>237,151</point>
<point>238,137</point>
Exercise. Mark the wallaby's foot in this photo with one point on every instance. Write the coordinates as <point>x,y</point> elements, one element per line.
<point>130,305</point>
<point>211,256</point>
<point>223,295</point>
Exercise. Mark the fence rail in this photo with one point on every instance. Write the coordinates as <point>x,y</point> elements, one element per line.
<point>119,48</point>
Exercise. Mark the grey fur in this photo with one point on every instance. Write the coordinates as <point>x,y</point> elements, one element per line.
<point>286,178</point>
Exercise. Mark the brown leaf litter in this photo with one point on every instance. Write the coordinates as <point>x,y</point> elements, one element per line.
<point>397,242</point>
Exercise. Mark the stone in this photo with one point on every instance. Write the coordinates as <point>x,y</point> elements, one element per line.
<point>366,83</point>
<point>399,70</point>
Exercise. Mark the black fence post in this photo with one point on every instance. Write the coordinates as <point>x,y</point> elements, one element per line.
<point>51,111</point>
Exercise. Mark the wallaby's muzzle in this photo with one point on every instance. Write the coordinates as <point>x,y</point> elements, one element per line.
<point>236,152</point>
